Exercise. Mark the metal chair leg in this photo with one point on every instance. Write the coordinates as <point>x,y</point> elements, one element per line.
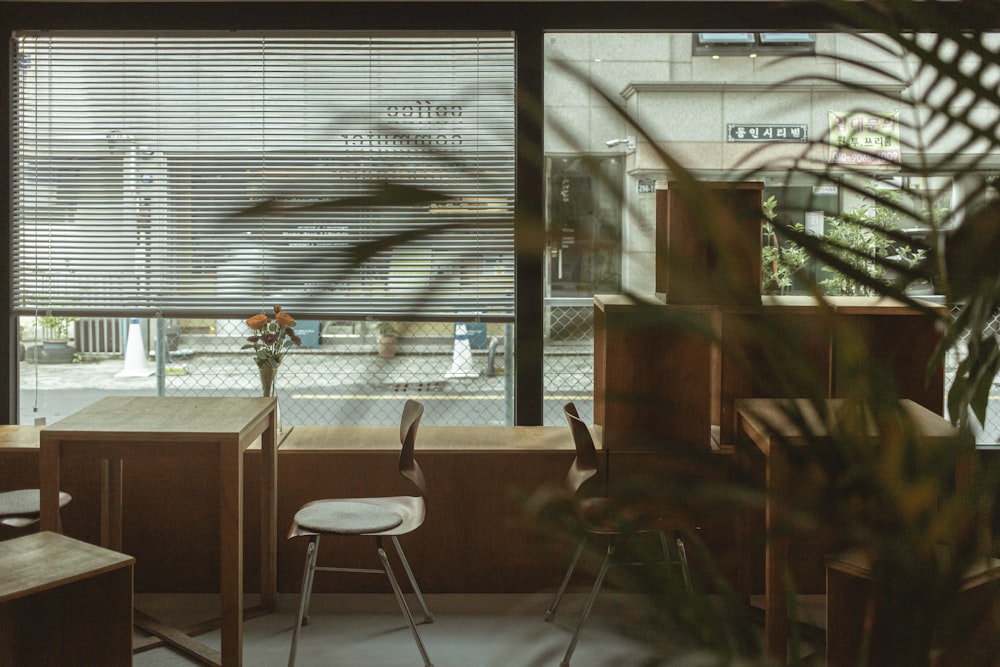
<point>314,540</point>
<point>550,614</point>
<point>402,602</point>
<point>685,571</point>
<point>428,616</point>
<point>681,561</point>
<point>305,593</point>
<point>590,603</point>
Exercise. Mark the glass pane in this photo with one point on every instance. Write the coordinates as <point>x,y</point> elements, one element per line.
<point>584,223</point>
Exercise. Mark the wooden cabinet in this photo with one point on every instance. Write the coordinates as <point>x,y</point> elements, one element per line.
<point>665,372</point>
<point>652,373</point>
<point>64,602</point>
<point>781,348</point>
<point>886,336</point>
<point>708,243</point>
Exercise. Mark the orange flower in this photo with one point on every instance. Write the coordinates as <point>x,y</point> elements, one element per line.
<point>271,338</point>
<point>257,322</point>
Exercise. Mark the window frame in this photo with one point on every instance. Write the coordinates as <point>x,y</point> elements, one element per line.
<point>529,21</point>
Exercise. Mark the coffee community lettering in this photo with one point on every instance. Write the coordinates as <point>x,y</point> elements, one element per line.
<point>412,117</point>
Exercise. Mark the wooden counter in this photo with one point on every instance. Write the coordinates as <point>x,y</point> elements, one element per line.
<point>478,538</point>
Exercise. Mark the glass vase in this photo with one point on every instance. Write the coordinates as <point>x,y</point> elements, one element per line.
<point>268,377</point>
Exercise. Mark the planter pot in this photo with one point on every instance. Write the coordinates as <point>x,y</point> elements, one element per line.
<point>387,347</point>
<point>51,352</point>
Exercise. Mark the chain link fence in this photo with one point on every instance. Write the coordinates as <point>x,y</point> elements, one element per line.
<point>340,375</point>
<point>988,432</point>
<point>568,371</point>
<point>348,373</point>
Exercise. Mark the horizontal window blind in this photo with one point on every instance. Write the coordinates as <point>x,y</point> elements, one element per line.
<point>340,176</point>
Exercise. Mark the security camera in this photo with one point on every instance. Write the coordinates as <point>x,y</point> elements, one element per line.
<point>629,142</point>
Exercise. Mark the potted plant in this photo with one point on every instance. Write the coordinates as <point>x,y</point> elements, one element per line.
<point>55,327</point>
<point>388,335</point>
<point>55,338</point>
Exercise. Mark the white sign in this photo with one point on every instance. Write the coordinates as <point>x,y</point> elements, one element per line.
<point>814,223</point>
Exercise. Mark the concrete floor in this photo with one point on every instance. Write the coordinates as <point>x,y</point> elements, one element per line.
<point>369,631</point>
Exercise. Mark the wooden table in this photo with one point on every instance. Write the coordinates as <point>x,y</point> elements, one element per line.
<point>115,429</point>
<point>764,423</point>
<point>63,602</point>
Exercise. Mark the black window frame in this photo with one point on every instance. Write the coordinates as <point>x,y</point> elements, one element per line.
<point>528,20</point>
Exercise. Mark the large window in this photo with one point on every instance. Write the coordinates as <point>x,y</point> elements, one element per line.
<point>186,181</point>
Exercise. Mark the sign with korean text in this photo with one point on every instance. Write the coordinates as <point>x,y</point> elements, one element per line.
<point>761,133</point>
<point>647,185</point>
<point>864,138</point>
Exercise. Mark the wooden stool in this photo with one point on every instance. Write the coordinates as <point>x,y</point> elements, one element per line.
<point>64,602</point>
<point>851,606</point>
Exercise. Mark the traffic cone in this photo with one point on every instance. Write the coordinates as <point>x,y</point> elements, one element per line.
<point>461,358</point>
<point>135,353</point>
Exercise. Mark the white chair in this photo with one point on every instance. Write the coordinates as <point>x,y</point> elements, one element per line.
<point>22,508</point>
<point>368,517</point>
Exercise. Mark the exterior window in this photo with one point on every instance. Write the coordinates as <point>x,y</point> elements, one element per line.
<point>181,183</point>
<point>753,44</point>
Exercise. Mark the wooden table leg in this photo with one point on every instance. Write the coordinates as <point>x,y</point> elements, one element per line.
<point>231,547</point>
<point>269,518</point>
<point>48,483</point>
<point>742,525</point>
<point>776,557</point>
<point>111,504</point>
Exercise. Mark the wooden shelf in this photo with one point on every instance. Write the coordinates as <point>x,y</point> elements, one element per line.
<point>652,373</point>
<point>704,259</point>
<point>670,373</point>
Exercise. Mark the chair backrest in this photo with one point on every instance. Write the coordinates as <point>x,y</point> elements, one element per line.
<point>585,463</point>
<point>408,425</point>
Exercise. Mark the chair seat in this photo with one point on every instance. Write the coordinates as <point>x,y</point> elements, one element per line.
<point>604,516</point>
<point>347,518</point>
<point>394,515</point>
<point>25,503</point>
